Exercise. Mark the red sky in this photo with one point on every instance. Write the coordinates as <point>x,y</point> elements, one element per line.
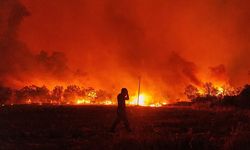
<point>169,43</point>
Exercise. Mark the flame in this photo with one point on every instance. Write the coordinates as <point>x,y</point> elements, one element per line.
<point>107,102</point>
<point>220,91</point>
<point>92,94</point>
<point>156,105</point>
<point>145,100</point>
<point>88,101</point>
<point>214,89</point>
<point>82,101</point>
<point>28,101</point>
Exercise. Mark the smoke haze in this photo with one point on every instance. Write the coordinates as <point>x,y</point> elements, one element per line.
<point>108,44</point>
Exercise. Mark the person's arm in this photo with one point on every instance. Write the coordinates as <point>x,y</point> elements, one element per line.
<point>127,97</point>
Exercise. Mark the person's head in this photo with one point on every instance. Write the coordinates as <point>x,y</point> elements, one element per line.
<point>124,91</point>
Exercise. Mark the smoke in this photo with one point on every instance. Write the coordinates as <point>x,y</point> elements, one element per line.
<point>108,44</point>
<point>18,64</point>
<point>219,74</point>
<point>55,65</point>
<point>14,54</point>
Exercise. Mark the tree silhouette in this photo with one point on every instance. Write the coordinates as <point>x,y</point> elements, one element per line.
<point>71,93</point>
<point>5,94</point>
<point>191,92</point>
<point>57,94</point>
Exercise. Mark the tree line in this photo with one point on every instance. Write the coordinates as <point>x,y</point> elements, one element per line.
<point>212,96</point>
<point>58,95</point>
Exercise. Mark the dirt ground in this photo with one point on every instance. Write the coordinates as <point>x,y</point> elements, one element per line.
<point>32,127</point>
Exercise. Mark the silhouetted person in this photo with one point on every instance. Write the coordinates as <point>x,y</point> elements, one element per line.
<point>121,110</point>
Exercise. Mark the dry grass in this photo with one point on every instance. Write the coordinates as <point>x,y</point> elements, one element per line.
<point>86,127</point>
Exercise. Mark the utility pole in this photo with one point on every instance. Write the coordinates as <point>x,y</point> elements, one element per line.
<point>139,88</point>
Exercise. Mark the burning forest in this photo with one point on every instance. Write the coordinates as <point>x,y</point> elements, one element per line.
<point>75,95</point>
<point>176,73</point>
<point>72,95</point>
<point>188,43</point>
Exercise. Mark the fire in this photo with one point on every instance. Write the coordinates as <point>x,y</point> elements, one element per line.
<point>145,100</point>
<point>92,94</point>
<point>156,105</point>
<point>74,95</point>
<point>107,102</point>
<point>82,101</point>
<point>211,89</point>
<point>28,101</point>
<point>88,99</point>
<point>220,91</point>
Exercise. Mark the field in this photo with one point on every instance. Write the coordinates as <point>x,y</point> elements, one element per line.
<point>87,127</point>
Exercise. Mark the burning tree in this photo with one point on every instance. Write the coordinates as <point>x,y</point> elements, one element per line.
<point>71,93</point>
<point>42,94</point>
<point>57,94</point>
<point>32,94</point>
<point>225,95</point>
<point>91,94</point>
<point>24,95</point>
<point>191,92</point>
<point>102,95</point>
<point>209,89</point>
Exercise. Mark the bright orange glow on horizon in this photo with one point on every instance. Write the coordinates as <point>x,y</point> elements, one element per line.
<point>145,100</point>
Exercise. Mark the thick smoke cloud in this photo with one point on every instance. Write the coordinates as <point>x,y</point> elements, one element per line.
<point>110,43</point>
<point>14,54</point>
<point>19,66</point>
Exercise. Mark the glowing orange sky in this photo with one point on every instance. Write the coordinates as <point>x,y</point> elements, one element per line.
<point>114,42</point>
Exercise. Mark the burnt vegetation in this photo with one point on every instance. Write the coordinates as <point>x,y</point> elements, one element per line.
<point>211,96</point>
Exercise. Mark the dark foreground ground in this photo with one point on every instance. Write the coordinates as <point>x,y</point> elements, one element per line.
<point>86,127</point>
